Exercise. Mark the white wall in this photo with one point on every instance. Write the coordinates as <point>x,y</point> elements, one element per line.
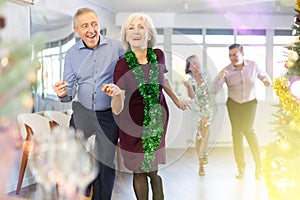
<point>106,17</point>
<point>17,22</point>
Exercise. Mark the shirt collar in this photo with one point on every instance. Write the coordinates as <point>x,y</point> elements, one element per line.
<point>234,68</point>
<point>102,41</point>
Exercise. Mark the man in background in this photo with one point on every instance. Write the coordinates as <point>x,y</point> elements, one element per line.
<point>240,76</point>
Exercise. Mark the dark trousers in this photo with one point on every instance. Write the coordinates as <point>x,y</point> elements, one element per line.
<point>242,117</point>
<point>104,182</point>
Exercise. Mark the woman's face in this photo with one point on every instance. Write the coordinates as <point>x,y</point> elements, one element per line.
<point>194,65</point>
<point>137,34</point>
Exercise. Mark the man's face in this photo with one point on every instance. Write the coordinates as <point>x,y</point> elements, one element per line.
<point>236,56</point>
<point>88,29</point>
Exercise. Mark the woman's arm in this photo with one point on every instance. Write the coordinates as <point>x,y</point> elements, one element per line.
<point>189,88</point>
<point>118,96</point>
<point>183,105</point>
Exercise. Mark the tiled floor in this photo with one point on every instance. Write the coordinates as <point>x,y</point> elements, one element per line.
<point>181,180</point>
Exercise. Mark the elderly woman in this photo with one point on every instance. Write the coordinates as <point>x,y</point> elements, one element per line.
<point>143,114</point>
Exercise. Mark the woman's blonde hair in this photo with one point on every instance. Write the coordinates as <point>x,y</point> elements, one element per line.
<point>149,25</point>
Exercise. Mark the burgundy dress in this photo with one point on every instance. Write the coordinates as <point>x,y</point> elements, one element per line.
<point>132,117</point>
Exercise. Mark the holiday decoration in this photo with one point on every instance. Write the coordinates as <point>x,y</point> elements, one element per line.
<point>153,126</point>
<point>297,4</point>
<point>17,77</point>
<point>295,86</point>
<point>281,158</point>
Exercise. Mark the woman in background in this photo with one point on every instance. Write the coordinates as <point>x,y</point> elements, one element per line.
<point>198,91</point>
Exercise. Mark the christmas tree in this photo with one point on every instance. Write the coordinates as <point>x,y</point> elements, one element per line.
<point>281,158</point>
<point>18,65</point>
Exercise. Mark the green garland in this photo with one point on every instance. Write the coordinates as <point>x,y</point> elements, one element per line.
<point>153,126</point>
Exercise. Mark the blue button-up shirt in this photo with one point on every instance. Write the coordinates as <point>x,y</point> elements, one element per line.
<point>240,82</point>
<point>87,69</point>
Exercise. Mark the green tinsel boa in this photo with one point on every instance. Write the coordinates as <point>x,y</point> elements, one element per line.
<point>153,126</point>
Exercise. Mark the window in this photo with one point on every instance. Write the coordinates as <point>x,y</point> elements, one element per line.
<point>179,55</point>
<point>219,36</point>
<point>52,59</point>
<point>281,39</point>
<point>251,36</point>
<point>185,42</point>
<point>187,36</point>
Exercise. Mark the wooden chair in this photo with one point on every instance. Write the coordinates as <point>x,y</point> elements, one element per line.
<point>62,119</point>
<point>30,124</point>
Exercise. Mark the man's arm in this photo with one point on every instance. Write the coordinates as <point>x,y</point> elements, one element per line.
<point>218,81</point>
<point>264,77</point>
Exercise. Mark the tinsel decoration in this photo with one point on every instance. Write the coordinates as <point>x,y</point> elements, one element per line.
<point>281,157</point>
<point>288,102</point>
<point>203,105</point>
<point>153,127</point>
<point>297,5</point>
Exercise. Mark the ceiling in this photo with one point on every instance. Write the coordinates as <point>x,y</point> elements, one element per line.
<point>284,7</point>
<point>44,20</point>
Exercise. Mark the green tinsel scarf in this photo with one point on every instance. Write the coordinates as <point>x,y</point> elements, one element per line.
<point>153,126</point>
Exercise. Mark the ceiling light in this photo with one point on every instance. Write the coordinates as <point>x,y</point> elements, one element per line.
<point>185,5</point>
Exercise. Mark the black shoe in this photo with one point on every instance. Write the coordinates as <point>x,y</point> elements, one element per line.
<point>240,173</point>
<point>258,174</point>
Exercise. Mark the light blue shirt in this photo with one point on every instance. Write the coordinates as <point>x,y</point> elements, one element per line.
<point>240,82</point>
<point>87,69</point>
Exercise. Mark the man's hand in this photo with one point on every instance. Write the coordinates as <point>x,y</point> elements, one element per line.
<point>60,88</point>
<point>267,83</point>
<point>222,73</point>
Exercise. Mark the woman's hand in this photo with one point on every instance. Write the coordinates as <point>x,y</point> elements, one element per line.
<point>111,89</point>
<point>118,96</point>
<point>186,83</point>
<point>183,105</point>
